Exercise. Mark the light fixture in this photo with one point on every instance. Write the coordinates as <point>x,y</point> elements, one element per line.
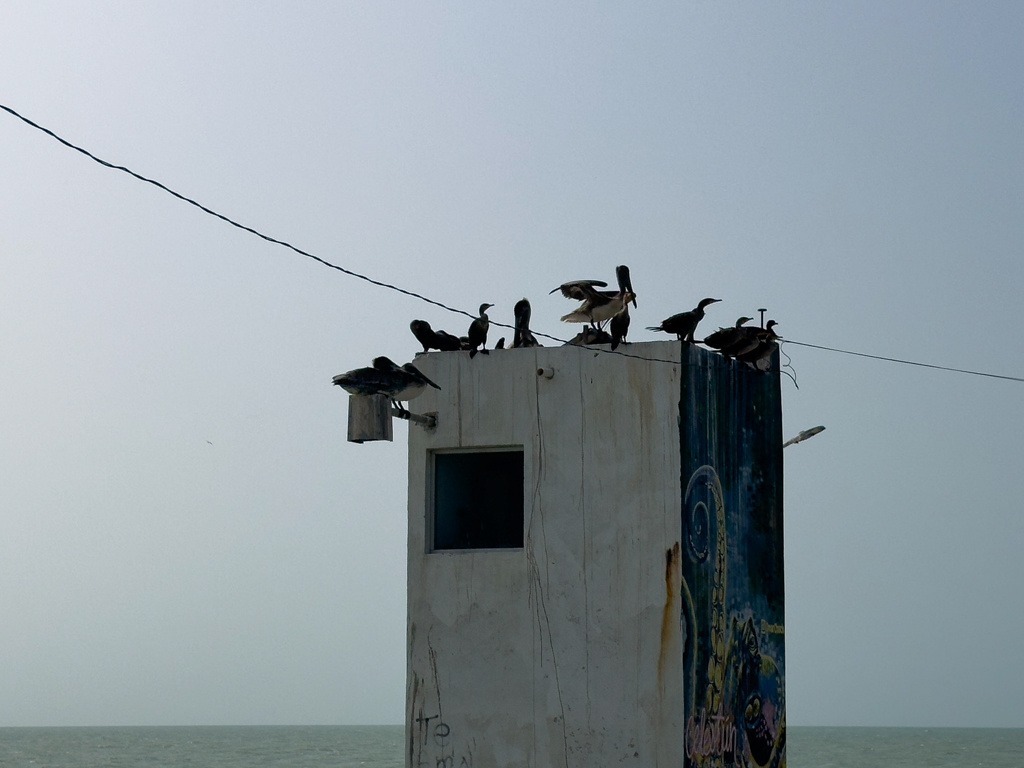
<point>807,433</point>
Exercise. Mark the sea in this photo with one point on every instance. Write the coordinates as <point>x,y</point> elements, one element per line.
<point>382,746</point>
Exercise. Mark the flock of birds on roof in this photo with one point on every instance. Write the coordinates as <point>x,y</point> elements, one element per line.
<point>598,309</point>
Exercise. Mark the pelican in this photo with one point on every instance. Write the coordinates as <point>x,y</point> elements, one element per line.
<point>477,336</point>
<point>415,383</point>
<point>579,289</point>
<point>367,381</point>
<point>598,307</point>
<point>385,378</point>
<point>523,337</point>
<point>625,285</point>
<point>685,323</point>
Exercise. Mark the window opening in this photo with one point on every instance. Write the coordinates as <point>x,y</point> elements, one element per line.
<point>478,500</point>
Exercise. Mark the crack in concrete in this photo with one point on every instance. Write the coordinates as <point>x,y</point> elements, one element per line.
<point>586,541</point>
<point>432,654</point>
<point>542,615</point>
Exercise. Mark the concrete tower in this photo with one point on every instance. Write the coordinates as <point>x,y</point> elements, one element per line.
<point>595,561</point>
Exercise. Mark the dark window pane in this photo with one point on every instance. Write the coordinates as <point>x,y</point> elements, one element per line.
<point>478,500</point>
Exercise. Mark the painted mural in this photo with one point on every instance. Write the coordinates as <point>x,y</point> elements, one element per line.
<point>732,566</point>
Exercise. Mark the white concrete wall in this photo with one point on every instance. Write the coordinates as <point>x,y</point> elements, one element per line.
<point>566,652</point>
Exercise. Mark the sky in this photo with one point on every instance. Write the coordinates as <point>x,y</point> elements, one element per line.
<point>186,537</point>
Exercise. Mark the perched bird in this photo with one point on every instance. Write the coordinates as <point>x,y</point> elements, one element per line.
<point>424,334</point>
<point>431,339</point>
<point>588,336</point>
<point>579,289</point>
<point>723,337</point>
<point>745,340</point>
<point>685,323</point>
<point>523,337</point>
<point>620,327</point>
<point>368,381</point>
<point>598,307</point>
<point>500,344</point>
<point>760,356</point>
<point>415,384</point>
<point>447,343</point>
<point>625,285</point>
<point>385,378</point>
<point>477,336</point>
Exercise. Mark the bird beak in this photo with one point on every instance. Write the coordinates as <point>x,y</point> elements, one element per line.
<point>627,285</point>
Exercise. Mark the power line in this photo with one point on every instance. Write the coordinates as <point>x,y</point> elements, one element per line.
<point>905,362</point>
<point>232,222</point>
<point>297,250</point>
<point>421,297</point>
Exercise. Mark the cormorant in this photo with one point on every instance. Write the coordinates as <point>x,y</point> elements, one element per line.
<point>431,339</point>
<point>523,337</point>
<point>477,336</point>
<point>620,327</point>
<point>760,356</point>
<point>723,337</point>
<point>424,334</point>
<point>685,323</point>
<point>746,340</point>
<point>446,342</point>
<point>746,343</point>
<point>588,336</point>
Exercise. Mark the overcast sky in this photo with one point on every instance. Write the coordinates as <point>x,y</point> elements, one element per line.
<point>186,537</point>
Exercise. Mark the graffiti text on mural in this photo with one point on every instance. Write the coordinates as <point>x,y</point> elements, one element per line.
<point>713,736</point>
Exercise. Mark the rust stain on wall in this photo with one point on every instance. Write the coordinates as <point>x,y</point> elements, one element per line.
<point>670,616</point>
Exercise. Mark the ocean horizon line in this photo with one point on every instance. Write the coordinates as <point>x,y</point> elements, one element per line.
<point>402,725</point>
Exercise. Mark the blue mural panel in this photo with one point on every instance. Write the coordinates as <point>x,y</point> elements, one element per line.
<point>732,563</point>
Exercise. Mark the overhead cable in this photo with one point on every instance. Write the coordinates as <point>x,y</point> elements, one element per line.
<point>288,245</point>
<point>232,222</point>
<point>421,297</point>
<point>905,362</point>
